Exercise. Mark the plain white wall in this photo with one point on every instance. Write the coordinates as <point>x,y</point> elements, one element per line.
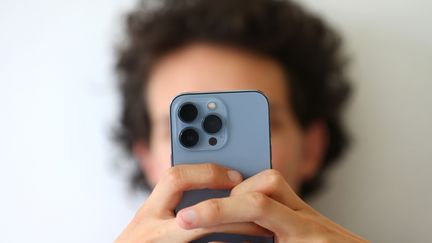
<point>382,188</point>
<point>58,104</point>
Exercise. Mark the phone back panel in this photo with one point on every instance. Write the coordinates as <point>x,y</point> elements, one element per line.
<point>243,142</point>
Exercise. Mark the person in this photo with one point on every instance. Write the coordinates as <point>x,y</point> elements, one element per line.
<point>274,46</point>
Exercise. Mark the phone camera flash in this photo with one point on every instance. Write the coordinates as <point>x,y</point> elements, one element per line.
<point>211,105</point>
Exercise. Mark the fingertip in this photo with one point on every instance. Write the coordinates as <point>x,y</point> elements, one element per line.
<point>186,218</point>
<point>180,222</point>
<point>235,176</point>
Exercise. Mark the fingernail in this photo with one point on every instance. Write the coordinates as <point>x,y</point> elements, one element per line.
<point>234,176</point>
<point>189,216</point>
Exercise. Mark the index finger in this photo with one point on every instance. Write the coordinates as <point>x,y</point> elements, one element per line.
<point>168,192</point>
<point>273,184</point>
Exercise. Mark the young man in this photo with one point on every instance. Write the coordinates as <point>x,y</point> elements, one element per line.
<point>203,45</point>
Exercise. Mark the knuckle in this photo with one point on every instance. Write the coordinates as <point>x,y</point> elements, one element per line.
<point>212,171</point>
<point>259,202</point>
<point>274,179</point>
<point>174,176</point>
<point>212,209</point>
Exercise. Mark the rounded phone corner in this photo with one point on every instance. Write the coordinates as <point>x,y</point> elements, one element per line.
<point>175,98</point>
<point>261,93</point>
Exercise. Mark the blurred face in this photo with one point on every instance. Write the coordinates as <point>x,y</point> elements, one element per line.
<point>296,153</point>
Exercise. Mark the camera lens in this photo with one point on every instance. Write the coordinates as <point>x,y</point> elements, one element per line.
<point>212,124</point>
<point>212,141</point>
<point>189,137</point>
<point>188,112</point>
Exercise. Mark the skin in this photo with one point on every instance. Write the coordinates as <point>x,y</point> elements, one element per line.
<point>265,204</point>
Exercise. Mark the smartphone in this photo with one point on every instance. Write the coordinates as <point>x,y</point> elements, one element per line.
<point>229,128</point>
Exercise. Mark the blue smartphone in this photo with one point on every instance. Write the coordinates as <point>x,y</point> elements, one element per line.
<point>229,128</point>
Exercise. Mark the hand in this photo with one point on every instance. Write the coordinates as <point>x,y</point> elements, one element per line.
<point>156,222</point>
<point>267,200</point>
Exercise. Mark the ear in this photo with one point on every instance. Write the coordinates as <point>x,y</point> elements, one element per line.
<point>141,151</point>
<point>314,147</point>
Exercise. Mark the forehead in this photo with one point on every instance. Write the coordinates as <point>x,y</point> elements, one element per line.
<point>206,67</point>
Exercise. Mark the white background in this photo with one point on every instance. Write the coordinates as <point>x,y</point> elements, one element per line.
<point>58,176</point>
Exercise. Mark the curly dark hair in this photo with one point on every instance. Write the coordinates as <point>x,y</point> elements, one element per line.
<point>306,47</point>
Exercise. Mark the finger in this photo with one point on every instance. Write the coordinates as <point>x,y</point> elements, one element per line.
<point>246,228</point>
<point>251,207</point>
<point>168,192</point>
<point>272,184</point>
<point>178,234</point>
